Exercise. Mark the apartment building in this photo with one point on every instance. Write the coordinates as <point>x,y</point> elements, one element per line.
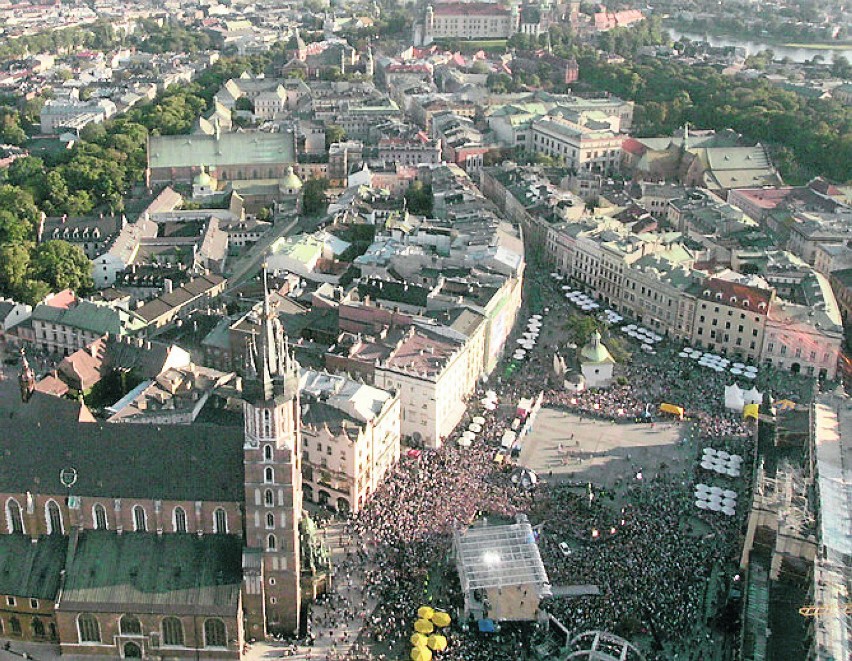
<point>581,147</point>
<point>731,317</point>
<point>350,438</point>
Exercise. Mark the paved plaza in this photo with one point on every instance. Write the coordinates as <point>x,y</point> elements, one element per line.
<point>565,446</point>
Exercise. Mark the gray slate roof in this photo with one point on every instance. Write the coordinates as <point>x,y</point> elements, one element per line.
<point>116,460</point>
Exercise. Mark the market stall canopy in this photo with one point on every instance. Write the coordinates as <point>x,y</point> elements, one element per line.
<point>441,619</point>
<point>425,612</point>
<point>423,626</point>
<point>421,654</point>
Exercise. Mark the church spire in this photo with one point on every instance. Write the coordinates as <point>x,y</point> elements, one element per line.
<point>26,378</point>
<point>269,367</point>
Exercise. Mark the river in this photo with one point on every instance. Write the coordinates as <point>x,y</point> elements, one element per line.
<point>753,47</point>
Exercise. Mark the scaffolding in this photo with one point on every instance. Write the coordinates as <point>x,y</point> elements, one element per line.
<point>493,558</point>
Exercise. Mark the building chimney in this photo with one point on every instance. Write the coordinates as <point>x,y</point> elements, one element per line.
<point>168,286</point>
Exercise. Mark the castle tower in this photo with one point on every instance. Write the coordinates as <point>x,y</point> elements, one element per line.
<point>273,481</point>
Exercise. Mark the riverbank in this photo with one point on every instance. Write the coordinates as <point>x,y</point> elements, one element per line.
<point>835,46</point>
<point>753,45</point>
<point>720,33</point>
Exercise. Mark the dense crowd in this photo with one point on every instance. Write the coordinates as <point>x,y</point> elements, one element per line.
<point>657,559</point>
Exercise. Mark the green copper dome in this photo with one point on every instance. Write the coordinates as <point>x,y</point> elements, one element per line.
<point>595,351</point>
<point>291,181</point>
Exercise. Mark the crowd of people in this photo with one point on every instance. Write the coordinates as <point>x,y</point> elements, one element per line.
<point>656,559</point>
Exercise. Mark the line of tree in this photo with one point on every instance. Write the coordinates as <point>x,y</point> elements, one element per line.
<point>94,175</point>
<point>807,137</point>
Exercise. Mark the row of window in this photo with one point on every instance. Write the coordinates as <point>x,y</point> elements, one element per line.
<point>56,526</point>
<point>36,628</point>
<point>171,630</point>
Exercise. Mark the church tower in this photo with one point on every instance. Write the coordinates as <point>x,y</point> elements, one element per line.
<point>273,481</point>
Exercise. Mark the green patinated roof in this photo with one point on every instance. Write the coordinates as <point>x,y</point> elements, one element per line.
<point>291,180</point>
<point>595,352</point>
<point>176,151</point>
<point>174,573</point>
<point>31,570</point>
<point>98,319</point>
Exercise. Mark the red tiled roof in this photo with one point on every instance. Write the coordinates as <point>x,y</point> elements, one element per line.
<point>634,147</point>
<point>736,294</point>
<point>765,198</point>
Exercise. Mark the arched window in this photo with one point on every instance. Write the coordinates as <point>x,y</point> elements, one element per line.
<point>99,517</point>
<point>267,424</point>
<point>179,520</point>
<point>220,522</point>
<point>140,519</point>
<point>269,498</point>
<point>271,543</point>
<point>268,475</point>
<point>14,517</point>
<point>172,631</point>
<point>53,518</point>
<point>15,626</point>
<point>270,520</point>
<point>88,628</point>
<point>214,633</point>
<point>130,625</point>
<point>267,453</point>
<point>38,628</point>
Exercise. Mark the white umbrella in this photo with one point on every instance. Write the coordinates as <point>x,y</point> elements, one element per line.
<point>631,327</point>
<point>733,472</point>
<point>729,493</point>
<point>702,487</point>
<point>729,502</point>
<point>479,420</point>
<point>736,371</point>
<point>465,442</point>
<point>739,365</point>
<point>706,465</point>
<point>683,354</point>
<point>715,507</point>
<point>736,458</point>
<point>750,368</point>
<point>475,428</point>
<point>710,451</point>
<point>724,455</point>
<point>567,288</point>
<point>468,434</point>
<point>490,406</point>
<point>750,375</point>
<point>701,504</point>
<point>716,490</point>
<point>728,511</point>
<point>491,394</point>
<point>536,317</point>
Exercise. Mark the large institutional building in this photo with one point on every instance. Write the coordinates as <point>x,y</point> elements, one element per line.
<point>135,540</point>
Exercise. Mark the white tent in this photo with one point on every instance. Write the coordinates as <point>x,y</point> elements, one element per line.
<point>734,398</point>
<point>753,396</point>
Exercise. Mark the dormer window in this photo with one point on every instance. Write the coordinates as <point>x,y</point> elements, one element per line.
<point>746,303</point>
<point>707,292</point>
<point>733,300</point>
<point>761,306</point>
<point>718,296</point>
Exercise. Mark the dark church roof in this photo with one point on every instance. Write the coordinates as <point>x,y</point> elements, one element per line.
<point>150,573</point>
<point>30,569</point>
<point>115,460</point>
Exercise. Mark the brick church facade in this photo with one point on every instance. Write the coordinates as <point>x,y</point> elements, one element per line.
<point>170,541</point>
